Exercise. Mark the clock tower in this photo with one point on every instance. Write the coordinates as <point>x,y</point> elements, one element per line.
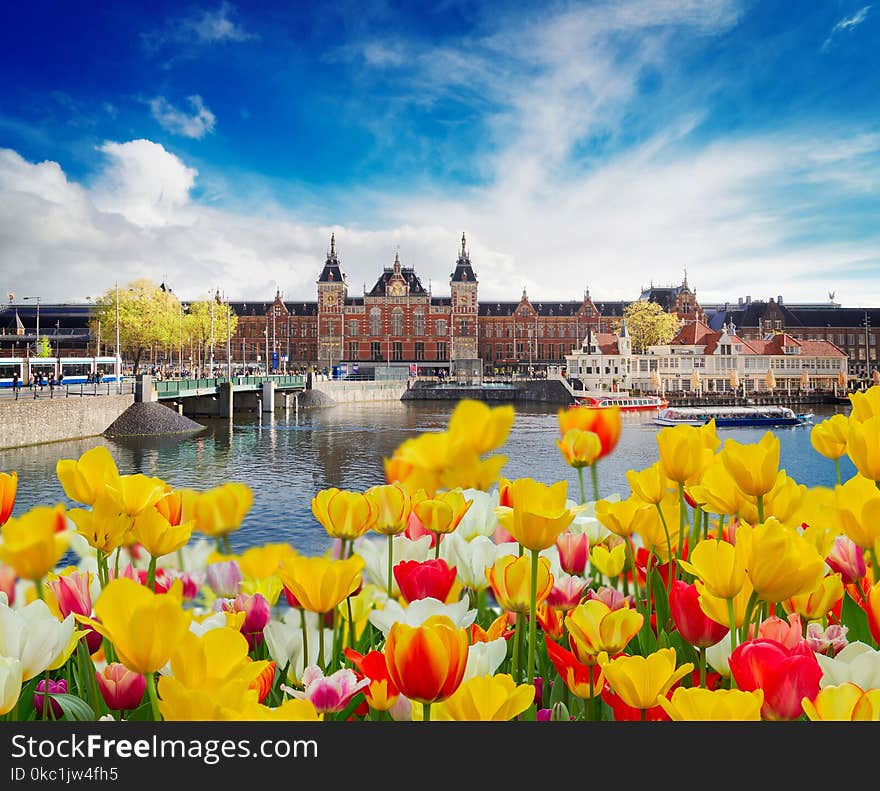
<point>332,291</point>
<point>463,285</point>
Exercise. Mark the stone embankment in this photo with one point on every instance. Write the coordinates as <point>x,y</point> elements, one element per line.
<point>548,391</point>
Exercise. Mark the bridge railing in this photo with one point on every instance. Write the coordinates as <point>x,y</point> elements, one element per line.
<point>173,387</point>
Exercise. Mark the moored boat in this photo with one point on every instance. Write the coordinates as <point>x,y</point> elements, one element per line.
<point>624,401</point>
<point>729,416</point>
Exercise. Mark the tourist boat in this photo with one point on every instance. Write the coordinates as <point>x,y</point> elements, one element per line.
<point>624,401</point>
<point>727,416</point>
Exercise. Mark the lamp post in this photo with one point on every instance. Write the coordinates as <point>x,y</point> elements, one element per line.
<point>867,350</point>
<point>211,369</point>
<point>228,339</point>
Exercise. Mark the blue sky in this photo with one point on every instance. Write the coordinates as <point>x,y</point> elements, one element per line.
<point>591,145</point>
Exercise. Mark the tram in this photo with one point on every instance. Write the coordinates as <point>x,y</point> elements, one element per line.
<point>75,370</point>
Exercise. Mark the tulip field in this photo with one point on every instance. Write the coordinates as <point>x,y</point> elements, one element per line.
<point>716,588</point>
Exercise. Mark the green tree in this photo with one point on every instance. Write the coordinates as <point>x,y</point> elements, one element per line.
<point>43,347</point>
<point>148,316</point>
<point>198,323</point>
<point>648,324</point>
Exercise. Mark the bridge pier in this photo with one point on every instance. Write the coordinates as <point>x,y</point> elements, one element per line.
<point>268,396</point>
<point>143,389</point>
<point>225,397</point>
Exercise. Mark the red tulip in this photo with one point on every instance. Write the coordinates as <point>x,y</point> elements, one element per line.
<point>575,674</point>
<point>787,675</point>
<point>121,688</point>
<point>257,612</point>
<point>690,620</point>
<point>872,608</point>
<point>381,694</point>
<point>428,579</point>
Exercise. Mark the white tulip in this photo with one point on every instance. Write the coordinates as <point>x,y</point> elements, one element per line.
<point>374,551</point>
<point>471,559</point>
<point>857,662</point>
<point>480,519</point>
<point>10,683</point>
<point>417,612</point>
<point>485,658</point>
<point>284,641</point>
<point>718,655</point>
<point>33,635</point>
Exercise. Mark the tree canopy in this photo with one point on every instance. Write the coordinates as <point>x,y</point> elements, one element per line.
<point>649,324</point>
<point>198,325</point>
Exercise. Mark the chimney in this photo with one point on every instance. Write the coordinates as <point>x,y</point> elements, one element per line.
<point>748,300</point>
<point>779,299</point>
<point>740,301</point>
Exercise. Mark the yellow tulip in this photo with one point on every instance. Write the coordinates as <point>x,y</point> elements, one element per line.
<point>610,563</point>
<point>480,427</point>
<point>157,535</point>
<point>683,454</point>
<point>640,680</point>
<point>845,702</point>
<point>495,698</point>
<point>579,448</point>
<point>320,584</point>
<point>393,505</point>
<point>135,493</point>
<point>781,562</point>
<point>658,529</point>
<point>695,704</point>
<point>32,543</point>
<point>649,485</point>
<point>510,578</point>
<point>716,608</point>
<point>443,512</point>
<point>717,492</point>
<point>720,566</point>
<point>783,501</point>
<point>816,604</point>
<point>262,562</point>
<point>228,701</point>
<point>343,514</point>
<point>709,435</point>
<point>754,466</point>
<point>269,587</point>
<point>468,471</point>
<point>594,628</point>
<point>84,479</point>
<point>865,404</point>
<point>863,446</point>
<point>538,513</point>
<point>104,526</point>
<point>292,710</point>
<point>144,627</point>
<point>221,510</point>
<point>618,516</point>
<point>217,656</point>
<point>857,508</point>
<point>828,438</point>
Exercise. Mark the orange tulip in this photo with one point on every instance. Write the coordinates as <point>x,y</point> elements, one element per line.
<point>604,421</point>
<point>426,663</point>
<point>8,488</point>
<point>510,578</point>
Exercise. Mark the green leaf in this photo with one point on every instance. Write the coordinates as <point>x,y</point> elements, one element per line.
<point>74,708</point>
<point>856,620</point>
<point>661,600</point>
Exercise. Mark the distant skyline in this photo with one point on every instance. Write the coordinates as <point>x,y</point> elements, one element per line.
<point>579,145</point>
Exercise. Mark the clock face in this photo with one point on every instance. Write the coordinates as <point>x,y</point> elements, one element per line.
<point>330,299</point>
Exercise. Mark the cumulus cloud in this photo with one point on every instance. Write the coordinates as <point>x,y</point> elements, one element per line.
<point>196,125</point>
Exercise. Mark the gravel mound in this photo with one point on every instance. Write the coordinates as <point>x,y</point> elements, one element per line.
<point>151,418</point>
<point>315,398</point>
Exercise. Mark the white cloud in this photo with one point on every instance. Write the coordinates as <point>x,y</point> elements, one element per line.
<point>178,122</point>
<point>187,33</point>
<point>847,23</point>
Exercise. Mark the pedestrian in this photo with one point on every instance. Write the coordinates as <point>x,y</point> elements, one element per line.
<point>16,383</point>
<point>52,383</point>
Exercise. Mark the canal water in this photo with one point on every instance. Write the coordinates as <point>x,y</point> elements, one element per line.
<point>288,457</point>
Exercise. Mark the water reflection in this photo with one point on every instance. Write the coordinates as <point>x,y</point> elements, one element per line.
<point>289,455</point>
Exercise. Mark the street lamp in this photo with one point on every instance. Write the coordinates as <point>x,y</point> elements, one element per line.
<point>116,350</point>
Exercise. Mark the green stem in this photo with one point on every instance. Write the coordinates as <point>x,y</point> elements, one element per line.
<point>760,507</point>
<point>38,584</point>
<point>588,708</point>
<point>320,642</point>
<point>720,527</point>
<point>750,608</point>
<point>837,469</point>
<point>701,653</point>
<point>45,694</point>
<point>179,557</point>
<point>732,618</point>
<point>595,474</point>
<point>350,623</point>
<point>533,634</point>
<point>668,545</point>
<point>305,634</point>
<point>517,656</point>
<point>581,481</point>
<point>682,519</point>
<point>151,574</point>
<point>390,564</point>
<point>154,696</point>
<point>437,546</point>
<point>631,556</point>
<point>426,709</point>
<point>116,563</point>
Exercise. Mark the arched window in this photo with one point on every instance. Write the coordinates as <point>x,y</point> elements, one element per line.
<point>418,323</point>
<point>397,321</point>
<point>375,321</point>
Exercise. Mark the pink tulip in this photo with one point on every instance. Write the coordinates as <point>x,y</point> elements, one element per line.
<point>848,559</point>
<point>224,578</point>
<point>7,583</point>
<point>566,592</point>
<point>55,688</point>
<point>121,688</point>
<point>72,593</point>
<point>828,641</point>
<point>790,633</point>
<point>328,694</point>
<point>257,613</point>
<point>574,551</point>
<point>612,597</point>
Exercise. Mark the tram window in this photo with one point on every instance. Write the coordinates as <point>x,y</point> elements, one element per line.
<point>6,371</point>
<point>76,369</point>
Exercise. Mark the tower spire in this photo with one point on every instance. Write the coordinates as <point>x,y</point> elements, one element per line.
<point>463,246</point>
<point>333,245</point>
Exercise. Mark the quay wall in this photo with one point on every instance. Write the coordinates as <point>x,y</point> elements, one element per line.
<point>358,392</point>
<point>29,421</point>
<point>548,391</point>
